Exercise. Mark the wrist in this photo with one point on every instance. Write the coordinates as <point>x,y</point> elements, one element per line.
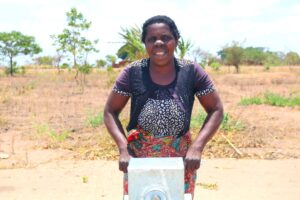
<point>197,147</point>
<point>123,149</point>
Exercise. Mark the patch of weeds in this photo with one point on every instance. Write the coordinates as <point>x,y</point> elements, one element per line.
<point>231,125</point>
<point>251,101</point>
<point>95,120</point>
<point>208,186</point>
<point>198,120</point>
<point>272,99</point>
<point>85,179</point>
<point>277,100</point>
<point>43,130</point>
<point>228,123</point>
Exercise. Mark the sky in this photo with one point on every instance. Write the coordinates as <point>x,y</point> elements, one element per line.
<point>210,25</point>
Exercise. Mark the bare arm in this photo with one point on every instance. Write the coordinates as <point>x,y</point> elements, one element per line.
<point>113,108</point>
<point>214,109</point>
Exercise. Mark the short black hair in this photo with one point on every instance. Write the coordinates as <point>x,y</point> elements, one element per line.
<point>160,19</point>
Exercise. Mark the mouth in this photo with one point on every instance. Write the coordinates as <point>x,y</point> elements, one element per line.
<point>159,53</point>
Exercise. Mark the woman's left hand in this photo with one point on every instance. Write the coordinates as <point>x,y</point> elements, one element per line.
<point>192,159</point>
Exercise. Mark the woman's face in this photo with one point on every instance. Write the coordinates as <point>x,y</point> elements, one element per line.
<point>160,44</point>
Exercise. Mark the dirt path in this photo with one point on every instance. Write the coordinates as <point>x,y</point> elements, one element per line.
<point>225,178</point>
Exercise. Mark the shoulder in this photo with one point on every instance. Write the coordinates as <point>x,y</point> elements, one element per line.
<point>187,66</point>
<point>184,63</point>
<point>138,63</point>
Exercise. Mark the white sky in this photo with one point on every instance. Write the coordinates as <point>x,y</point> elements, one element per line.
<point>209,24</point>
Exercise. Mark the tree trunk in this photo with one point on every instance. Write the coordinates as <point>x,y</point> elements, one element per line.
<point>11,66</point>
<point>237,67</point>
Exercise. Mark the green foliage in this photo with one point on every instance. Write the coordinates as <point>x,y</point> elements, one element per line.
<point>273,99</point>
<point>109,69</point>
<point>15,43</point>
<point>215,66</point>
<point>44,60</point>
<point>101,63</point>
<point>232,55</point>
<point>43,130</point>
<point>64,66</point>
<point>72,40</point>
<point>111,59</point>
<point>183,47</point>
<point>133,49</point>
<point>95,120</point>
<point>253,56</point>
<point>15,70</point>
<point>272,59</point>
<point>85,69</point>
<point>228,124</point>
<point>292,58</point>
<point>277,100</point>
<point>251,101</point>
<point>198,120</point>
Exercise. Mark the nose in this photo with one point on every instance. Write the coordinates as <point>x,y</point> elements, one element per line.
<point>158,43</point>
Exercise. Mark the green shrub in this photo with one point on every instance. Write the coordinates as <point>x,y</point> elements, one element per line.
<point>273,99</point>
<point>43,130</point>
<point>228,124</point>
<point>95,120</point>
<point>251,101</point>
<point>215,66</point>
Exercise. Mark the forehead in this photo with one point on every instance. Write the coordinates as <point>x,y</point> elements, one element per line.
<point>158,28</point>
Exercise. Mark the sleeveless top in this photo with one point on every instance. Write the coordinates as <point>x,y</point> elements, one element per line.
<point>162,110</point>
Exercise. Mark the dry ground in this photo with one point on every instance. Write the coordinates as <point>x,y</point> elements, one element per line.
<point>43,123</point>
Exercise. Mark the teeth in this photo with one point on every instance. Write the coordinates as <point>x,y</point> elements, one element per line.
<point>159,53</point>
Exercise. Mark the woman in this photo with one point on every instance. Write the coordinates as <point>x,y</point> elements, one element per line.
<point>162,90</point>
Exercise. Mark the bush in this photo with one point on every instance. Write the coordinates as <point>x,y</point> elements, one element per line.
<point>215,66</point>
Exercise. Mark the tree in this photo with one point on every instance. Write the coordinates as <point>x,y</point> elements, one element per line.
<point>254,56</point>
<point>183,47</point>
<point>100,63</point>
<point>232,55</point>
<point>44,60</point>
<point>133,48</point>
<point>15,43</point>
<point>72,40</point>
<point>272,59</point>
<point>292,58</point>
<point>111,60</point>
<point>201,56</point>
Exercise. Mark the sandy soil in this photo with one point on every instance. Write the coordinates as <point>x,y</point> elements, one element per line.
<point>228,179</point>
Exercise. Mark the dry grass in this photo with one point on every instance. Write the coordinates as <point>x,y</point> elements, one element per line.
<point>44,98</point>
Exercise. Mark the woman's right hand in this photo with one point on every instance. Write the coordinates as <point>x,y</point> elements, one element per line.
<point>124,160</point>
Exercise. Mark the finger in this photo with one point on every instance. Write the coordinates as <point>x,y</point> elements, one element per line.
<point>123,166</point>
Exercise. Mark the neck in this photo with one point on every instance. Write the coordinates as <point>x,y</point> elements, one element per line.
<point>163,69</point>
<point>163,75</point>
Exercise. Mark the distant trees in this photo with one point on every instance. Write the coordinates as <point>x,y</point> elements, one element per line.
<point>72,40</point>
<point>253,56</point>
<point>44,60</point>
<point>15,43</point>
<point>232,55</point>
<point>292,58</point>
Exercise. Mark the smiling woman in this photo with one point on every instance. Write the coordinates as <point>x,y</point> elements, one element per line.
<point>162,89</point>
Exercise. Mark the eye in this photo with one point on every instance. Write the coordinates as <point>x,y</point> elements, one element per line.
<point>166,38</point>
<point>151,40</point>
